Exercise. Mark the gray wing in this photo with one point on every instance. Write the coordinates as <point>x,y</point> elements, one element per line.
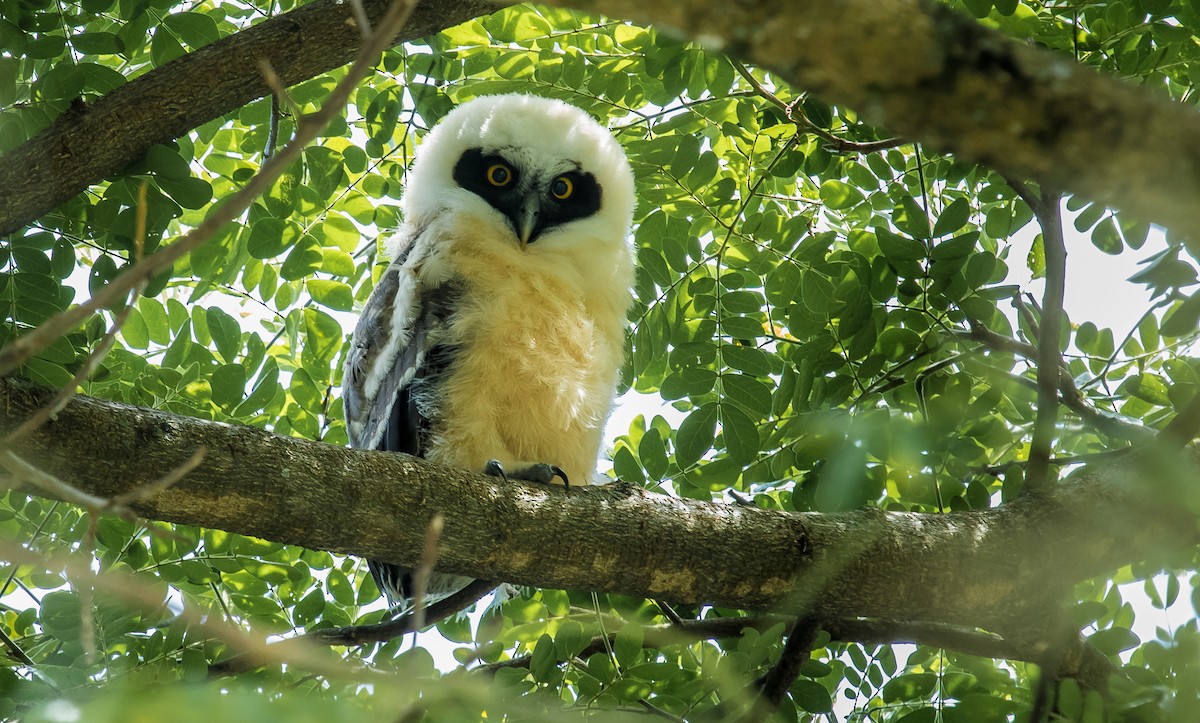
<point>393,352</point>
<point>386,353</point>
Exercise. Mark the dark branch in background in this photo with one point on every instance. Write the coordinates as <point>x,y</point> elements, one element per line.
<point>1049,357</point>
<point>96,140</point>
<point>1071,397</point>
<point>774,684</point>
<point>931,74</point>
<point>1081,661</point>
<point>1181,430</point>
<point>365,634</point>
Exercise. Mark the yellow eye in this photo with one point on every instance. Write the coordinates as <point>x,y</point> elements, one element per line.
<point>562,188</point>
<point>499,175</point>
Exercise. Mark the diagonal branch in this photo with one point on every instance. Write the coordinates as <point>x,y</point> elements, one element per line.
<point>99,139</point>
<point>1071,397</point>
<point>307,128</point>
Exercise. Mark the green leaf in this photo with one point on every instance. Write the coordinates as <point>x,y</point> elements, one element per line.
<point>953,217</point>
<point>228,384</point>
<point>1107,237</point>
<point>322,339</point>
<point>899,248</point>
<point>265,389</point>
<point>1183,319</point>
<point>164,47</point>
<point>1114,640</point>
<point>303,260</point>
<point>333,294</point>
<point>653,454</point>
<point>544,662</point>
<point>839,196</point>
<point>226,333</point>
<point>739,433</point>
<point>695,435</point>
<point>811,696</point>
<point>627,646</point>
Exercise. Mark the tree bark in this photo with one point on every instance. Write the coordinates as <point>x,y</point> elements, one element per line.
<point>94,141</point>
<point>993,569</point>
<point>933,75</point>
<point>912,66</point>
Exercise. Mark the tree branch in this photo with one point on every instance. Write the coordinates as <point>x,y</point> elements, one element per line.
<point>97,140</point>
<point>934,75</point>
<point>1072,398</point>
<point>617,538</point>
<point>1049,356</point>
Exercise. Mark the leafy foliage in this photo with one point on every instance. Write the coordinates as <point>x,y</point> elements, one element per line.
<point>810,314</point>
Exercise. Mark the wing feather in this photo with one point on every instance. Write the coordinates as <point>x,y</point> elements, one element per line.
<point>388,349</point>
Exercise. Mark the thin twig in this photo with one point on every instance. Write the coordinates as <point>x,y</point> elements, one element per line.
<point>15,650</point>
<point>279,94</point>
<point>669,612</point>
<point>429,553</point>
<point>360,17</point>
<point>147,491</point>
<point>56,405</point>
<point>794,113</point>
<point>135,591</point>
<point>87,591</point>
<point>102,347</point>
<point>1071,397</point>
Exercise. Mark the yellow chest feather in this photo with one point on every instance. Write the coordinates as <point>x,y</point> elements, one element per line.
<point>539,349</point>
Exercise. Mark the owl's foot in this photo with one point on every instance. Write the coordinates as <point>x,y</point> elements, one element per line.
<point>540,473</point>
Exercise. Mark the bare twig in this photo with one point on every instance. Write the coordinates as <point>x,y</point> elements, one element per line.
<point>135,591</point>
<point>15,650</point>
<point>794,113</point>
<point>279,95</point>
<point>87,591</point>
<point>85,372</point>
<point>99,351</point>
<point>147,491</point>
<point>428,559</point>
<point>360,17</point>
<point>364,634</point>
<point>23,471</point>
<point>307,128</point>
<point>1071,397</point>
<point>669,612</point>
<point>1081,661</point>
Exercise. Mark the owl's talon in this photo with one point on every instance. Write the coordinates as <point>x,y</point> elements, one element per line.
<point>494,469</point>
<point>541,473</point>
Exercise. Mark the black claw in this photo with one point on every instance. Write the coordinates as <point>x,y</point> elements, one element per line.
<point>540,473</point>
<point>495,469</point>
<point>558,472</point>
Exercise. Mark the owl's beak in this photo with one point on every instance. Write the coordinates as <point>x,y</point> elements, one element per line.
<point>527,222</point>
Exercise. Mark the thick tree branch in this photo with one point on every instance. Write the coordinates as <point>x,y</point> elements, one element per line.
<point>97,140</point>
<point>933,75</point>
<point>617,538</point>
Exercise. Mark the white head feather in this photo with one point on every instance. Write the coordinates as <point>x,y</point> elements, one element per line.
<point>535,133</point>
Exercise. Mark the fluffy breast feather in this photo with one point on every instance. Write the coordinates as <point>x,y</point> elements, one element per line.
<point>539,345</point>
